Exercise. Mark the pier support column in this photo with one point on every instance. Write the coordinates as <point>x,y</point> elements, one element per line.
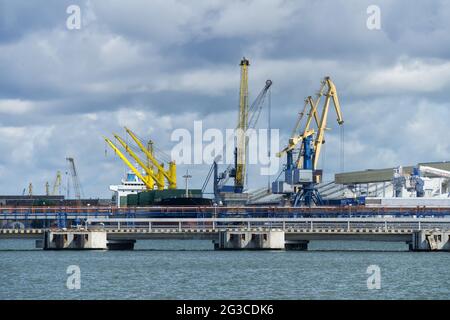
<point>74,240</point>
<point>250,240</point>
<point>82,240</point>
<point>430,240</point>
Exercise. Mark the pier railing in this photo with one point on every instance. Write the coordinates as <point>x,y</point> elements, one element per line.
<point>17,213</point>
<point>215,224</point>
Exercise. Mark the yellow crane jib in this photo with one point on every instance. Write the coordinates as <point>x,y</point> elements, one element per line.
<point>145,180</point>
<point>331,94</point>
<point>170,174</point>
<point>152,179</point>
<point>57,183</point>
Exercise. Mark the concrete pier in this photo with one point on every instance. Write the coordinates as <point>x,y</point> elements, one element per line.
<point>422,234</point>
<point>430,240</point>
<point>82,240</point>
<point>74,240</point>
<point>250,240</point>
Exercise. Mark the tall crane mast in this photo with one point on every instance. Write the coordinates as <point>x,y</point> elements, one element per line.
<point>75,180</point>
<point>220,179</point>
<point>241,150</point>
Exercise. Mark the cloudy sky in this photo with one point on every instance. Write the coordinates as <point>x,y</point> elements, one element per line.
<point>156,66</point>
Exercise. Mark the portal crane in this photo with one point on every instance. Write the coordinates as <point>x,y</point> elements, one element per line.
<point>251,118</point>
<point>75,181</point>
<point>248,118</point>
<point>303,172</point>
<point>297,137</point>
<point>57,184</point>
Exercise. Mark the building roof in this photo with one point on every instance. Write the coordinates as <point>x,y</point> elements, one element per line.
<point>380,175</point>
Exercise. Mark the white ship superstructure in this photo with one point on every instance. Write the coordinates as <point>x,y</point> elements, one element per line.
<point>131,184</point>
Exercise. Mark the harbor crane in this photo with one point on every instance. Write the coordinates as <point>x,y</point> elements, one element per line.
<point>241,144</point>
<point>57,184</point>
<point>170,174</point>
<point>147,180</point>
<point>151,179</point>
<point>75,180</point>
<point>303,174</point>
<point>248,118</point>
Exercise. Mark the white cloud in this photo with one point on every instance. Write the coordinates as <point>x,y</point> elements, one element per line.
<point>409,75</point>
<point>15,106</point>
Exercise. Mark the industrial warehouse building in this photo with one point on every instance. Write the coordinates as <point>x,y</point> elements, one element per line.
<point>372,183</point>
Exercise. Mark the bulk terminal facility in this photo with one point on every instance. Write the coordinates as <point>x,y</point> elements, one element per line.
<point>299,184</point>
<point>151,191</point>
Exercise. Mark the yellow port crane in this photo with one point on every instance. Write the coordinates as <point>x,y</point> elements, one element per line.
<point>170,175</point>
<point>151,177</point>
<point>321,123</point>
<point>57,184</point>
<point>310,141</point>
<point>297,137</point>
<point>331,94</point>
<point>148,181</point>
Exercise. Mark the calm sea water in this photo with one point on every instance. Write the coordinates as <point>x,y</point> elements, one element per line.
<point>192,270</point>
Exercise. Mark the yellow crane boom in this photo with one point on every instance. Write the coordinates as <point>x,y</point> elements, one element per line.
<point>170,175</point>
<point>331,94</point>
<point>159,179</point>
<point>145,180</point>
<point>57,183</point>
